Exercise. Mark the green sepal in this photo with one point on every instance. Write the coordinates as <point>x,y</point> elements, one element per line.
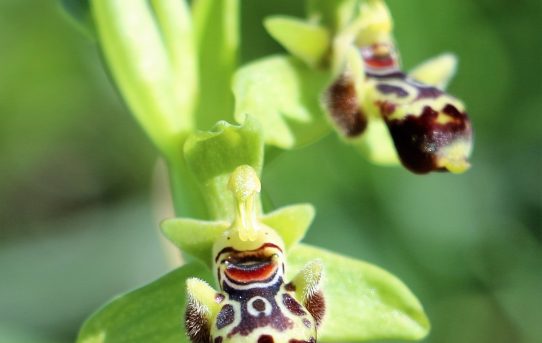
<point>194,237</point>
<point>376,143</point>
<point>213,155</point>
<point>290,222</point>
<point>151,314</point>
<point>306,41</point>
<point>79,12</point>
<point>282,93</point>
<point>363,302</point>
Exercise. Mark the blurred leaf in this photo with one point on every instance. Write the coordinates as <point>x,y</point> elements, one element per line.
<point>284,95</point>
<point>306,41</point>
<point>212,156</point>
<point>217,36</point>
<point>79,11</point>
<point>151,314</point>
<point>363,302</point>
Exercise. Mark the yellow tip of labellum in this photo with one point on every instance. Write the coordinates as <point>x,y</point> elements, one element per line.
<point>454,157</point>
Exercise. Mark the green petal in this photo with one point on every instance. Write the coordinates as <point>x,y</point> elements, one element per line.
<point>290,222</point>
<point>376,143</point>
<point>283,94</point>
<point>306,41</point>
<point>195,237</point>
<point>438,71</point>
<point>363,301</point>
<point>334,14</point>
<point>213,156</point>
<point>151,314</point>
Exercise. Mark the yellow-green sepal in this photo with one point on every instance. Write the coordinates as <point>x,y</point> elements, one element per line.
<point>307,41</point>
<point>437,71</point>
<point>194,237</point>
<point>290,222</point>
<point>363,302</point>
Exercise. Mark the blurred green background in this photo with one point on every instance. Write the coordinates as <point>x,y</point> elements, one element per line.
<point>77,217</point>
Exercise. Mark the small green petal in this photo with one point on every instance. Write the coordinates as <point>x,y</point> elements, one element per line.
<point>151,314</point>
<point>306,41</point>
<point>363,301</point>
<point>438,71</point>
<point>195,237</point>
<point>213,156</point>
<point>290,222</point>
<point>283,94</point>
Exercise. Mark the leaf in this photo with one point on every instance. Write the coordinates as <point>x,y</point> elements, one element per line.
<point>363,301</point>
<point>195,237</point>
<point>306,41</point>
<point>151,314</point>
<point>217,36</point>
<point>79,12</point>
<point>437,71</point>
<point>284,94</point>
<point>290,222</point>
<point>212,156</point>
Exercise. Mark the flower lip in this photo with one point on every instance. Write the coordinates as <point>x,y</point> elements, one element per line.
<point>251,266</point>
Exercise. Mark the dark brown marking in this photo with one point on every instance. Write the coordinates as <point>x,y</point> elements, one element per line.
<point>343,106</point>
<point>418,139</point>
<point>265,339</point>
<point>292,305</point>
<point>385,88</point>
<point>307,323</point>
<point>197,325</point>
<point>259,305</point>
<point>225,317</point>
<point>290,287</point>
<point>219,298</point>
<point>316,305</point>
<point>218,339</point>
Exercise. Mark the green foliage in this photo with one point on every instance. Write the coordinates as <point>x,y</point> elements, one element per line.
<point>280,92</point>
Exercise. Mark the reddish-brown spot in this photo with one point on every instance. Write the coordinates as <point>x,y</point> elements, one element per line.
<point>265,339</point>
<point>290,287</point>
<point>259,305</point>
<point>418,139</point>
<point>316,306</point>
<point>197,326</point>
<point>292,305</point>
<point>344,108</point>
